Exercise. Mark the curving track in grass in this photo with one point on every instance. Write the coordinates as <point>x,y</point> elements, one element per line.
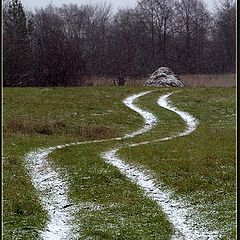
<point>53,189</point>
<point>179,214</point>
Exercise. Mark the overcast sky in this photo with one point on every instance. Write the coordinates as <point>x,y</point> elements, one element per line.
<point>31,4</point>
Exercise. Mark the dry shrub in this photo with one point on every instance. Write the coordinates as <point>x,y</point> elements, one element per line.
<point>18,126</point>
<point>191,80</point>
<point>99,81</point>
<point>59,125</point>
<point>26,127</point>
<point>136,81</point>
<point>97,132</point>
<point>52,127</point>
<point>209,80</point>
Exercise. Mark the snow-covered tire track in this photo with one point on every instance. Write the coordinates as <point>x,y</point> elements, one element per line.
<point>149,119</point>
<point>52,188</point>
<point>178,213</point>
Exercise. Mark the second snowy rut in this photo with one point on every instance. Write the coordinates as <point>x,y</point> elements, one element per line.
<point>53,190</point>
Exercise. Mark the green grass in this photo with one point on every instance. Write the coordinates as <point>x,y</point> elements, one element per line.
<point>115,208</point>
<point>199,167</point>
<point>29,121</point>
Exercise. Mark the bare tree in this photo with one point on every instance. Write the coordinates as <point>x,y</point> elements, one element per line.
<point>58,51</point>
<point>224,37</point>
<point>73,42</point>
<point>122,45</point>
<point>157,15</point>
<point>147,11</point>
<point>191,23</point>
<point>17,50</point>
<point>201,25</point>
<point>98,34</point>
<point>88,25</point>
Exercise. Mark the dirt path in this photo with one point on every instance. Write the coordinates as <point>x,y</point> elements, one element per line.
<point>53,189</point>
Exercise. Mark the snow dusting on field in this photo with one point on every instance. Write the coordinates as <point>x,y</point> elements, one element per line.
<point>53,188</point>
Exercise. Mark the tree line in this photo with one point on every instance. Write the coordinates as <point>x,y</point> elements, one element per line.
<point>63,46</point>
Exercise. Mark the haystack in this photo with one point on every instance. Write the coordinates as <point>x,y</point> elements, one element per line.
<point>164,77</point>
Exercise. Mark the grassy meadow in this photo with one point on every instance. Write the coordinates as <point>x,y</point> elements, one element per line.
<point>200,168</point>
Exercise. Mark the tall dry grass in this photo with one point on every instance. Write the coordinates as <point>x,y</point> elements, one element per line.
<point>191,80</point>
<point>210,80</point>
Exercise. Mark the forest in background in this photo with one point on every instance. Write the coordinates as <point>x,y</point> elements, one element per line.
<point>63,46</point>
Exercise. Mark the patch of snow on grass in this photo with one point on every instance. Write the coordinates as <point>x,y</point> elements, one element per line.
<point>149,119</point>
<point>53,189</point>
<point>179,214</point>
<point>53,195</point>
<point>190,120</point>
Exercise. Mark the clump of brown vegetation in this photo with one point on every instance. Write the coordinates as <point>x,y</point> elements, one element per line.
<point>210,80</point>
<point>191,80</point>
<point>96,132</point>
<point>27,127</point>
<point>54,127</point>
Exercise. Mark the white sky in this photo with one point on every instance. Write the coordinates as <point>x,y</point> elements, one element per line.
<point>32,4</point>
